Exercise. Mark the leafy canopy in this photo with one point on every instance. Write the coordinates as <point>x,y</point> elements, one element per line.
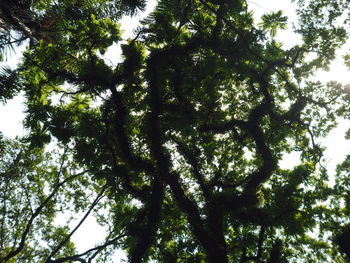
<point>175,150</point>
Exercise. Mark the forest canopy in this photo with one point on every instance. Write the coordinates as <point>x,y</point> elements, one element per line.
<point>176,150</point>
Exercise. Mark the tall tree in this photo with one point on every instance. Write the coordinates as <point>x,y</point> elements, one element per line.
<point>182,140</point>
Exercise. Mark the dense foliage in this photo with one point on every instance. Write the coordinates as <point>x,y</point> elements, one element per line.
<point>175,150</point>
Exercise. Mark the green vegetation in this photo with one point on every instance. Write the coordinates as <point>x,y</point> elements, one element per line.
<point>176,149</point>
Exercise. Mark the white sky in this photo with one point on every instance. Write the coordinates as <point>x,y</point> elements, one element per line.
<point>11,114</point>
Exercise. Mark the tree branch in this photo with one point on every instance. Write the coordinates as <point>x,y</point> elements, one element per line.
<point>36,213</point>
<point>216,253</point>
<point>60,245</point>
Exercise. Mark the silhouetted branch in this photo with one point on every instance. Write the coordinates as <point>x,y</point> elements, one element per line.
<point>61,244</point>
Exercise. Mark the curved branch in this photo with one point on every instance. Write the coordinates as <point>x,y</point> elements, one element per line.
<point>77,257</point>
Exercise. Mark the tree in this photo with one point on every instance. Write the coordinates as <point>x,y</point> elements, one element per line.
<point>180,142</point>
